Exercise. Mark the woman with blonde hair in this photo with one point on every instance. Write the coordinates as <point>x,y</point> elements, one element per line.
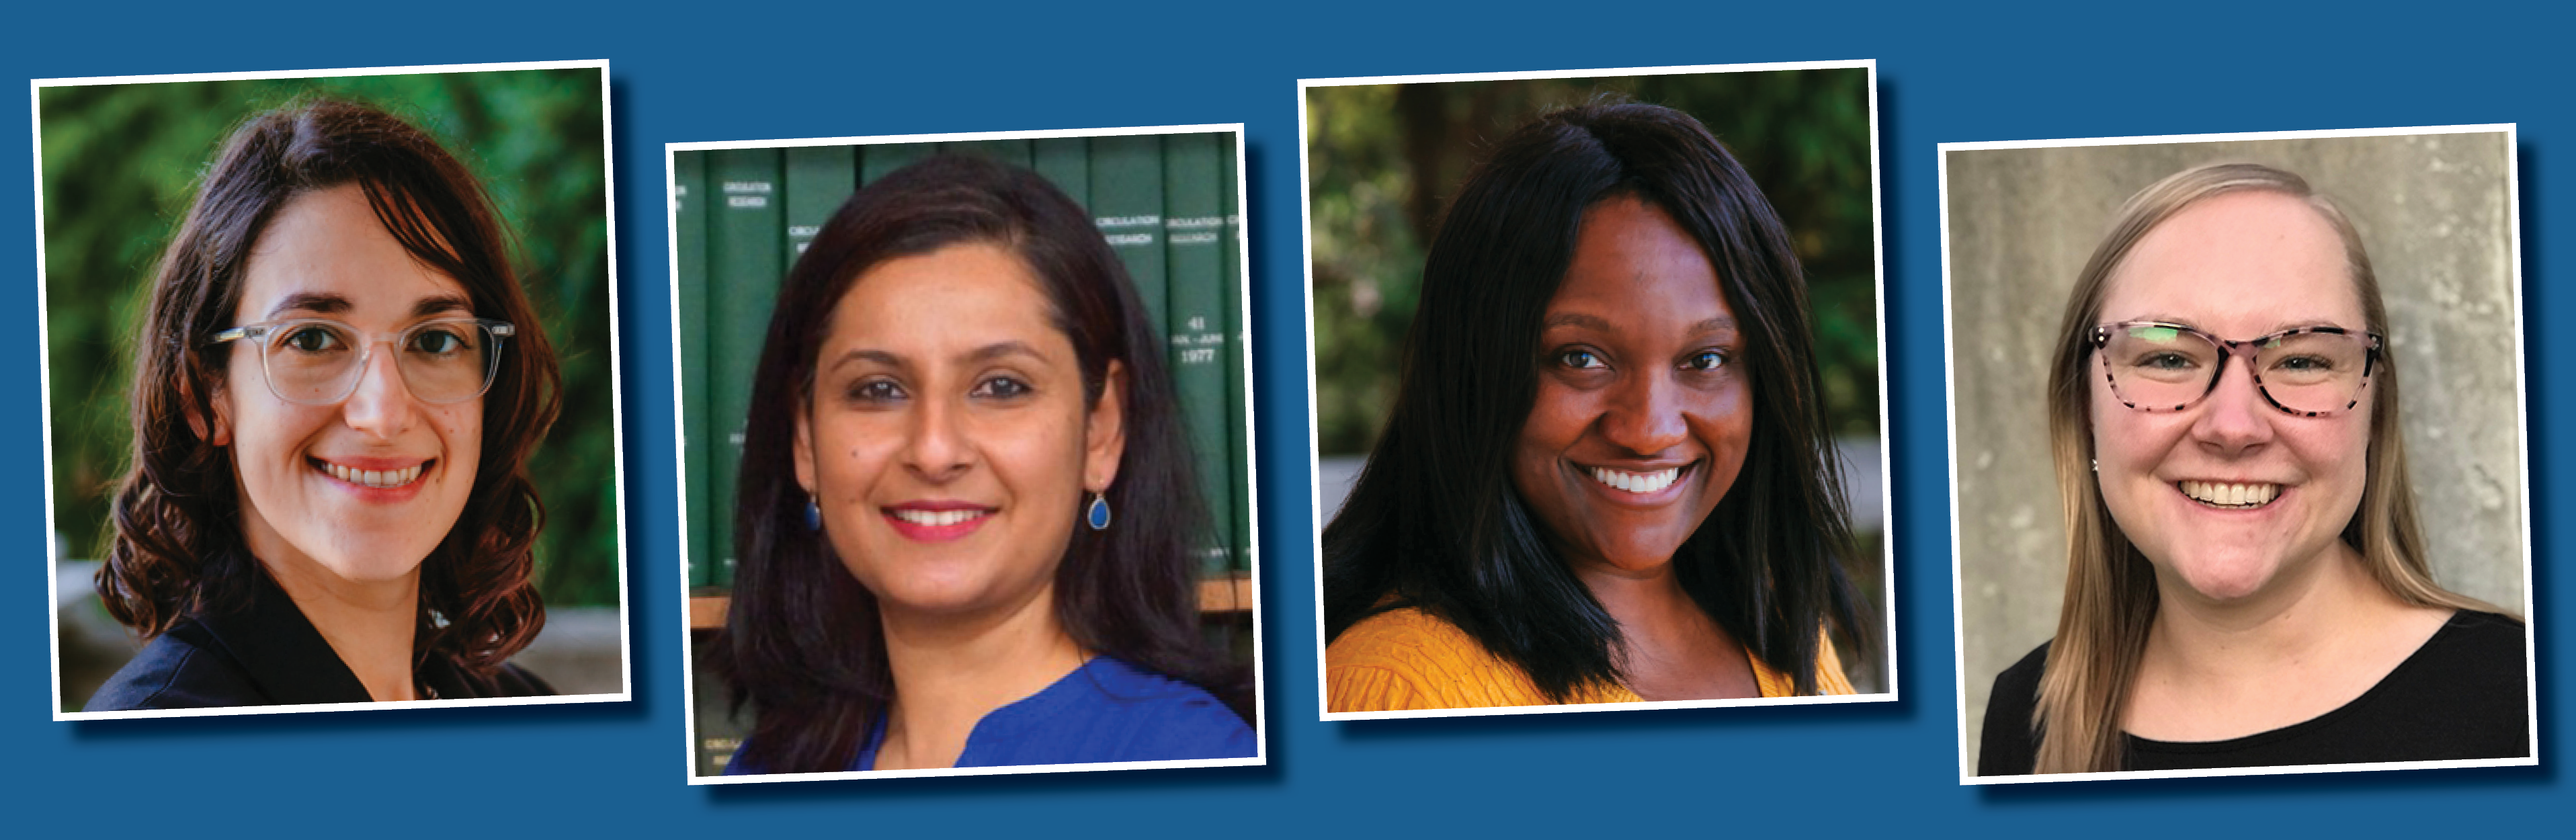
<point>2247,582</point>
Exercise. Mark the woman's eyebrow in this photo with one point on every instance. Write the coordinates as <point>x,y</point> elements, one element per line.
<point>323,303</point>
<point>441,304</point>
<point>1575,319</point>
<point>876,357</point>
<point>997,350</point>
<point>1720,323</point>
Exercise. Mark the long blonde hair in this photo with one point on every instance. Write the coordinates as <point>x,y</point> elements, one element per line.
<point>2110,588</point>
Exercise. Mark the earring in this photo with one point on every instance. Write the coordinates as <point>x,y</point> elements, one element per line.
<point>813,513</point>
<point>2097,465</point>
<point>1098,513</point>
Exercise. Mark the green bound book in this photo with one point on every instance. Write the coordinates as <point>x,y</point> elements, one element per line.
<point>819,178</point>
<point>875,161</point>
<point>1238,346</point>
<point>1066,162</point>
<point>1127,204</point>
<point>689,302</point>
<point>720,730</point>
<point>746,236</point>
<point>1013,152</point>
<point>1194,234</point>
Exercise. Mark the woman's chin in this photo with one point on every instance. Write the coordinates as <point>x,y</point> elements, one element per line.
<point>1635,558</point>
<point>361,567</point>
<point>2228,579</point>
<point>930,595</point>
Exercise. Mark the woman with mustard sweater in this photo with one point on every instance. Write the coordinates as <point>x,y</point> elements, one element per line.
<point>1606,477</point>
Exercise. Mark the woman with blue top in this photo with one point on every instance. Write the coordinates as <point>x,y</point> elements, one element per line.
<point>966,505</point>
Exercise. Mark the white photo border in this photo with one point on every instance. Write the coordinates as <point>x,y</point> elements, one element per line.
<point>1252,482</point>
<point>617,417</point>
<point>1314,429</point>
<point>2522,427</point>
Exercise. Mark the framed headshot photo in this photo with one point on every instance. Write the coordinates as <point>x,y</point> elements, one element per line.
<point>1597,397</point>
<point>965,457</point>
<point>330,366</point>
<point>2239,460</point>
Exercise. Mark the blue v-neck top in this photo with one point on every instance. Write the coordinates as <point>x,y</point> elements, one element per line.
<point>1106,710</point>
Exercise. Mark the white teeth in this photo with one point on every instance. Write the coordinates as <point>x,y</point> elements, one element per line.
<point>937,518</point>
<point>375,478</point>
<point>2222,494</point>
<point>1636,482</point>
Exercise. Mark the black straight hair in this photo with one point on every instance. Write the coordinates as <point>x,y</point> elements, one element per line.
<point>802,646</point>
<point>1434,522</point>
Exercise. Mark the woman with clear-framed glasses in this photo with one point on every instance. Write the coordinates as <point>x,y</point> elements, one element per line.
<point>337,389</point>
<point>2247,583</point>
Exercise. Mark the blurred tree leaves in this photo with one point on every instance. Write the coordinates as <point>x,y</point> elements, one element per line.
<point>120,163</point>
<point>1385,159</point>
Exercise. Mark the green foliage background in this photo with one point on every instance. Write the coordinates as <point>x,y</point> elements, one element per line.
<point>1385,159</point>
<point>120,163</point>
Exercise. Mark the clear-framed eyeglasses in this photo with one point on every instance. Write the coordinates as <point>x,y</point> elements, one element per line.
<point>318,361</point>
<point>2307,372</point>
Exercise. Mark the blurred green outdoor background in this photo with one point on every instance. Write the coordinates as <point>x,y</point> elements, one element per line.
<point>1384,160</point>
<point>120,163</point>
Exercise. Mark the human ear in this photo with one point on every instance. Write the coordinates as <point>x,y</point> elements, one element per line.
<point>217,430</point>
<point>1105,431</point>
<point>804,450</point>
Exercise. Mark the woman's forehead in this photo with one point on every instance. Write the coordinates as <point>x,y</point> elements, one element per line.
<point>2243,264</point>
<point>326,254</point>
<point>953,301</point>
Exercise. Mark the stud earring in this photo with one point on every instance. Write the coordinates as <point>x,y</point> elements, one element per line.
<point>2097,465</point>
<point>1098,513</point>
<point>813,513</point>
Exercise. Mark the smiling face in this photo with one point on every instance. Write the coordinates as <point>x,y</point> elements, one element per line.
<point>2227,496</point>
<point>948,442</point>
<point>1643,411</point>
<point>364,488</point>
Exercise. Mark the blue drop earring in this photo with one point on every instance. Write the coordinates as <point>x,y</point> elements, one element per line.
<point>1098,513</point>
<point>813,513</point>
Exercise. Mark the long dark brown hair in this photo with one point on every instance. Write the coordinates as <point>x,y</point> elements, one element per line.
<point>177,547</point>
<point>802,646</point>
<point>1434,522</point>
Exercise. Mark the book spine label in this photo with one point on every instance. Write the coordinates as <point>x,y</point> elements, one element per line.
<point>1194,233</point>
<point>1238,347</point>
<point>1127,205</point>
<point>688,303</point>
<point>819,178</point>
<point>746,241</point>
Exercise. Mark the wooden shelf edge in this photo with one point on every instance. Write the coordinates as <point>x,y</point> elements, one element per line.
<point>1228,594</point>
<point>707,612</point>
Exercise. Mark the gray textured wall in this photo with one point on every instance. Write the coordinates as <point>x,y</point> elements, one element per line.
<point>2435,212</point>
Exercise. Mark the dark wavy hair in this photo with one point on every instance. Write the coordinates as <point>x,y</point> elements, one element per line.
<point>177,547</point>
<point>1434,521</point>
<point>802,645</point>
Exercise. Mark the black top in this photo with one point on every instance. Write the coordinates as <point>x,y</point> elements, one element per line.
<point>267,654</point>
<point>2463,695</point>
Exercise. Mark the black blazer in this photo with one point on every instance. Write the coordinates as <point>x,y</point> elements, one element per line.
<point>267,654</point>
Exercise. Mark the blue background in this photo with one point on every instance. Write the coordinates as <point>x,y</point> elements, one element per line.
<point>731,70</point>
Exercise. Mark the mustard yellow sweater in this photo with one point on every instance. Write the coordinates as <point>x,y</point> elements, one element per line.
<point>1408,659</point>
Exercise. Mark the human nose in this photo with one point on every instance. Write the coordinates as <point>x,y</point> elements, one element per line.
<point>936,447</point>
<point>380,403</point>
<point>2235,417</point>
<point>1645,415</point>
